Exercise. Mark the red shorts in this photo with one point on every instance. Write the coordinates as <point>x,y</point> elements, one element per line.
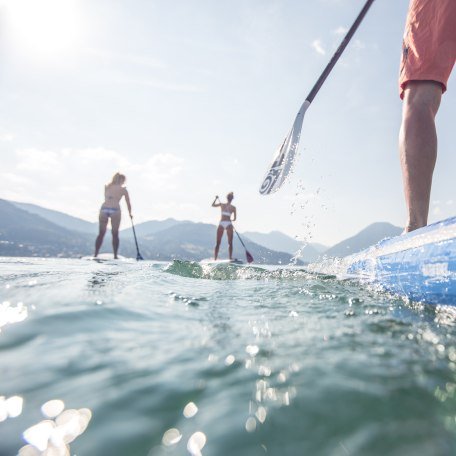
<point>429,47</point>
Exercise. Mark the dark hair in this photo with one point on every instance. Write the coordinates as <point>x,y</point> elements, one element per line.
<point>230,196</point>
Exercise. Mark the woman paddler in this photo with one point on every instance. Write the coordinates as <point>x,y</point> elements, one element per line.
<point>110,209</point>
<point>225,223</point>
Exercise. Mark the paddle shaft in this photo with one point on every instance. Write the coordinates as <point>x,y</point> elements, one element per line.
<point>239,238</point>
<point>247,253</point>
<point>138,255</point>
<point>339,52</point>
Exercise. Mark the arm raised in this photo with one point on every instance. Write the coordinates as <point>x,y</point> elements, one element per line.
<point>214,204</point>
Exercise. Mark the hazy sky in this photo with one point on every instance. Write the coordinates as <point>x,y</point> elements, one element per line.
<point>190,98</point>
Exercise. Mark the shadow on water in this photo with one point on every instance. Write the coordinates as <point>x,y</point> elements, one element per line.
<point>101,279</point>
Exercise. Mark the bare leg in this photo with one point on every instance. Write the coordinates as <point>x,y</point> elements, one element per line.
<point>115,223</point>
<point>418,148</point>
<point>102,231</point>
<point>229,233</point>
<point>219,239</point>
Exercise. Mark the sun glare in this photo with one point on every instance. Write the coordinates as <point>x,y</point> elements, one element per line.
<point>43,26</point>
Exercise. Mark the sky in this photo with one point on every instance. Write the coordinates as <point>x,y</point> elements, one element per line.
<point>191,98</point>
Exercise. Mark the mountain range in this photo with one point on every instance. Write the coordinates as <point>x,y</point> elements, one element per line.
<point>279,241</point>
<point>31,230</point>
<point>362,240</point>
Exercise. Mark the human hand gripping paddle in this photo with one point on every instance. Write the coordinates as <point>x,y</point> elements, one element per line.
<point>138,255</point>
<point>283,161</point>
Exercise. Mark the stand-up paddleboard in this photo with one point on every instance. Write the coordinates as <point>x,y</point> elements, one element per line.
<point>420,265</point>
<point>102,257</point>
<point>211,261</point>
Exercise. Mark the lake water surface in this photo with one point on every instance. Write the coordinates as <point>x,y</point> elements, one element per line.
<point>142,358</point>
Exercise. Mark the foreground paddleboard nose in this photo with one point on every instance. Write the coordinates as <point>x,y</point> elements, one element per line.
<point>420,265</point>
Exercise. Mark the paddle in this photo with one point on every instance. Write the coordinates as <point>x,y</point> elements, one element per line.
<point>283,161</point>
<point>138,255</point>
<point>248,255</point>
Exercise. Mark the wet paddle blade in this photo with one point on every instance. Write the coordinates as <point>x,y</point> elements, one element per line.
<point>249,257</point>
<point>283,162</point>
<point>284,159</point>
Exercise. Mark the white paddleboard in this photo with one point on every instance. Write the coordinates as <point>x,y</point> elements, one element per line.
<point>105,257</point>
<point>211,261</point>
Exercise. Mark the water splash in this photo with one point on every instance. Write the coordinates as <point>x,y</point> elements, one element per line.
<point>227,271</point>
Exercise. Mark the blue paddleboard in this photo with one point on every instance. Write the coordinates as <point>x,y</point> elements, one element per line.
<point>420,265</point>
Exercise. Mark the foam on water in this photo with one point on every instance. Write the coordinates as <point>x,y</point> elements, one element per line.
<point>147,358</point>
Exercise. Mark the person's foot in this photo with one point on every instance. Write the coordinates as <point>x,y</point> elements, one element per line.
<point>412,227</point>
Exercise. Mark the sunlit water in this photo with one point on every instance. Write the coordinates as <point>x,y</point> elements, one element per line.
<point>127,358</point>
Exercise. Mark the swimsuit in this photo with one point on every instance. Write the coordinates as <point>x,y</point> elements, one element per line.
<point>225,223</point>
<point>429,47</point>
<point>109,211</point>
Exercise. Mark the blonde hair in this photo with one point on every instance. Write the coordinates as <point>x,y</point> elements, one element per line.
<point>118,179</point>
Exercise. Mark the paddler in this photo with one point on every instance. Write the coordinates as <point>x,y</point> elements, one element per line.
<point>228,210</point>
<point>110,209</point>
<point>428,57</point>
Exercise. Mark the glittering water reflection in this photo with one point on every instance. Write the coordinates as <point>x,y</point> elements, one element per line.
<point>10,313</point>
<point>196,443</point>
<point>52,437</point>
<point>252,350</point>
<point>171,437</point>
<point>11,407</point>
<point>272,388</point>
<point>53,408</point>
<point>190,410</point>
<point>250,424</point>
<point>229,360</point>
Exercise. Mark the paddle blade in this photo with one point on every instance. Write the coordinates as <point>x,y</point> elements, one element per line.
<point>284,159</point>
<point>249,257</point>
<point>139,257</point>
